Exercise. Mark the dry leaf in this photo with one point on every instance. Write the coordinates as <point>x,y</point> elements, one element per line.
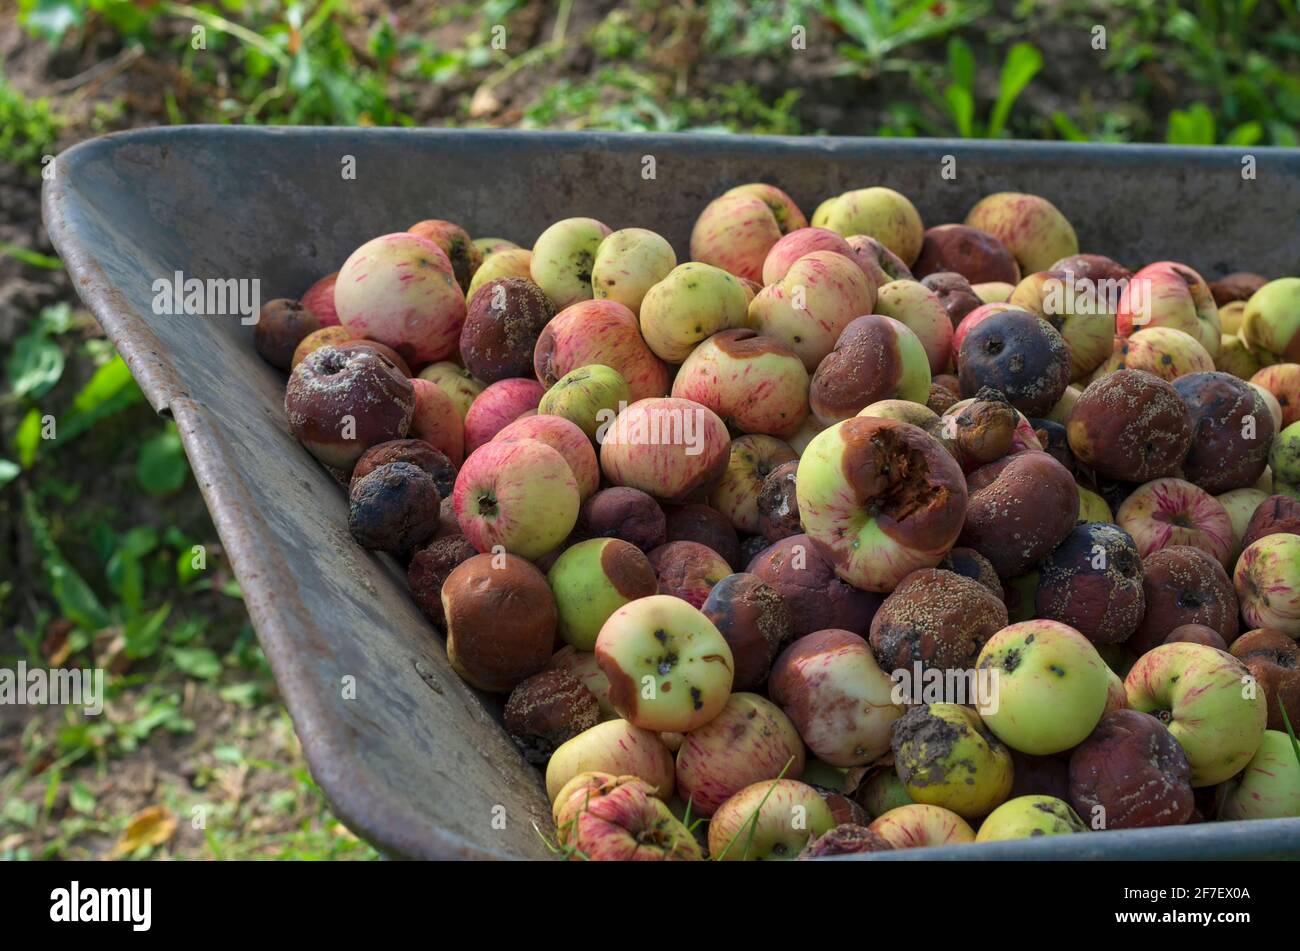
<point>152,826</point>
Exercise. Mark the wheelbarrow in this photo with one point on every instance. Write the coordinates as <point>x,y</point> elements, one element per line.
<point>409,757</point>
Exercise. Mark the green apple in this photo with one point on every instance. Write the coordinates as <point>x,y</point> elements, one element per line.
<point>693,302</point>
<point>1269,786</point>
<point>1051,686</point>
<point>880,213</point>
<point>616,747</point>
<point>1028,816</point>
<point>592,580</point>
<point>1207,699</point>
<point>1267,579</point>
<point>1092,507</point>
<point>563,257</point>
<point>454,380</point>
<point>1270,325</point>
<point>770,820</point>
<point>946,757</point>
<point>1240,504</point>
<point>628,263</point>
<point>587,395</point>
<point>511,262</point>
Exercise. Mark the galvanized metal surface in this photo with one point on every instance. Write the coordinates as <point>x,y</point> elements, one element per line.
<point>417,762</point>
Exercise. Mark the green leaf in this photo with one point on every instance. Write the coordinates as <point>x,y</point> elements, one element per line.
<point>199,662</point>
<point>143,633</point>
<point>30,257</point>
<point>1245,135</point>
<point>1022,64</point>
<point>107,382</point>
<point>35,364</point>
<point>1067,128</point>
<point>961,64</point>
<point>962,108</point>
<point>28,438</point>
<point>162,467</point>
<point>1193,126</point>
<point>81,799</point>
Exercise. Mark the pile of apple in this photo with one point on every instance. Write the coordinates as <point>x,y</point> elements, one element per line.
<point>709,527</point>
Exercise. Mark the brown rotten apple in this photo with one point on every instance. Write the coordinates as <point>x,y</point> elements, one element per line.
<point>879,499</point>
<point>1130,774</point>
<point>876,358</point>
<point>1020,508</point>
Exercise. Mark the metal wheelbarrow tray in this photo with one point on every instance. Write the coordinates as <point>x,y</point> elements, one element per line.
<point>417,763</point>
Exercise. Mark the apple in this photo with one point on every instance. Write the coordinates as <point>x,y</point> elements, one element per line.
<point>810,307</point>
<point>919,826</point>
<point>993,292</point>
<point>581,395</point>
<point>1235,357</point>
<point>946,757</point>
<point>1032,228</point>
<point>1240,504</point>
<point>751,459</point>
<point>616,747</point>
<point>749,741</point>
<point>1270,324</point>
<point>593,579</point>
<point>454,380</point>
<point>669,668</point>
<point>675,450</point>
<point>829,684</point>
<point>876,358</point>
<point>519,495</point>
<point>879,499</point>
<point>880,264</point>
<point>1273,659</point>
<point>922,312</point>
<point>1269,786</point>
<point>514,262</point>
<point>400,290</point>
<point>880,213</point>
<point>437,420</point>
<point>693,302</point>
<point>770,820</point>
<point>1167,512</point>
<point>1169,294</point>
<point>1030,816</point>
<point>599,332</point>
<point>1267,579</point>
<point>1131,774</point>
<point>563,256</point>
<point>737,230</point>
<point>1163,351</point>
<point>603,818</point>
<point>566,439</point>
<point>804,241</point>
<point>1051,686</point>
<point>756,384</point>
<point>628,263</point>
<point>1209,702</point>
